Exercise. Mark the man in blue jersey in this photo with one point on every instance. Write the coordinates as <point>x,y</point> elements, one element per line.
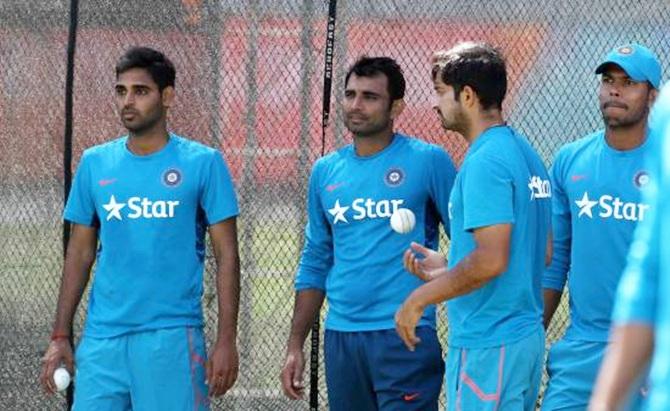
<point>140,207</point>
<point>597,182</point>
<point>352,257</point>
<point>500,214</point>
<point>642,309</point>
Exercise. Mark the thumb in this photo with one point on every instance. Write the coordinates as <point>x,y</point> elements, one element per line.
<point>208,372</point>
<point>298,369</point>
<point>418,248</point>
<point>68,360</point>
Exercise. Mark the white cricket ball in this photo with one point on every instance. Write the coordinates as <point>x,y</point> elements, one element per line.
<point>403,220</point>
<point>61,378</point>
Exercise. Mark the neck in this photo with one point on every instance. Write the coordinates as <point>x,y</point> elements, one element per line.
<point>370,145</point>
<point>148,141</point>
<point>626,138</point>
<point>482,122</point>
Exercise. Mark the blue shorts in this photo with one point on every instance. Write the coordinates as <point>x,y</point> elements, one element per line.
<point>573,367</point>
<point>373,370</point>
<point>504,378</point>
<point>154,370</point>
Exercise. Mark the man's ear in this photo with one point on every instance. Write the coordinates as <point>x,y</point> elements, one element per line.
<point>397,107</point>
<point>653,93</point>
<point>168,96</point>
<point>467,97</point>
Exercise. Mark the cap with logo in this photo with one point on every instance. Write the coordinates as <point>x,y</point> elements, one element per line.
<point>640,63</point>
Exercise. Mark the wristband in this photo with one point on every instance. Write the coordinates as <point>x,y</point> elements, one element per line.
<point>55,337</point>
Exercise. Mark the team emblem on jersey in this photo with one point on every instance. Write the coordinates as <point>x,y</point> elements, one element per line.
<point>171,177</point>
<point>394,177</point>
<point>641,179</point>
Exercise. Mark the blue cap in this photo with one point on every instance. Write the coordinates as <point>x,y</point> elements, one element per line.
<point>640,63</point>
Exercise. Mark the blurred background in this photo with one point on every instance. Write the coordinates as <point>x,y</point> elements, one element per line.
<point>250,83</point>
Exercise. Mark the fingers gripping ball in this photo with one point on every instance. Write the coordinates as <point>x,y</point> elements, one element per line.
<point>403,220</point>
<point>61,378</point>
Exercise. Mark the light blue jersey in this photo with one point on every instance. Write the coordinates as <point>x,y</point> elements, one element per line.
<point>642,296</point>
<point>595,210</point>
<point>502,181</point>
<point>350,250</point>
<point>152,212</point>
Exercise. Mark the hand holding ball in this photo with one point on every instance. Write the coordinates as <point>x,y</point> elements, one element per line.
<point>403,220</point>
<point>61,378</point>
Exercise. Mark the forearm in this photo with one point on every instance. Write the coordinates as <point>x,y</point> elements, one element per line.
<point>76,271</point>
<point>228,294</point>
<point>308,304</point>
<point>471,273</point>
<point>627,355</point>
<point>552,299</point>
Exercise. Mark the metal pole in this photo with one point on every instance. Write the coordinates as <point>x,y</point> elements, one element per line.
<point>67,139</point>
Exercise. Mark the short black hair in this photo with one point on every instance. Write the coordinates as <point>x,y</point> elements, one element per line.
<point>371,66</point>
<point>478,65</point>
<point>160,68</point>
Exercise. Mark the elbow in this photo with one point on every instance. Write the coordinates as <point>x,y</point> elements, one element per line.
<point>549,254</point>
<point>492,266</point>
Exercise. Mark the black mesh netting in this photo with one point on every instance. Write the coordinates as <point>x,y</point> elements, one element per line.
<point>249,82</point>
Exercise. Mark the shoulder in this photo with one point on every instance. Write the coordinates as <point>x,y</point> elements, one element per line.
<point>424,150</point>
<point>197,154</point>
<point>580,146</point>
<point>193,148</point>
<point>105,151</point>
<point>118,143</point>
<point>333,159</point>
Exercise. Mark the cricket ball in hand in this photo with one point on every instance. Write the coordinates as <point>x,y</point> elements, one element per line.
<point>403,220</point>
<point>61,378</point>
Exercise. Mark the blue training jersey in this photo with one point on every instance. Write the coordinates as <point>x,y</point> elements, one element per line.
<point>642,296</point>
<point>502,181</point>
<point>596,207</point>
<point>152,212</point>
<point>350,250</point>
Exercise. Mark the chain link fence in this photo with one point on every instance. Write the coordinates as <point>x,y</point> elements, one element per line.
<point>249,82</point>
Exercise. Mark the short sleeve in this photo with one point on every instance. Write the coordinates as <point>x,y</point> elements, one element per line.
<point>441,181</point>
<point>218,198</point>
<point>487,193</point>
<point>80,206</point>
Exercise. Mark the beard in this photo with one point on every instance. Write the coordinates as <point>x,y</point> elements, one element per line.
<point>366,128</point>
<point>139,124</point>
<point>626,120</point>
<point>456,122</point>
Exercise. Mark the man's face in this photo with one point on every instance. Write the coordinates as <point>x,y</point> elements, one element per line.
<point>623,102</point>
<point>447,107</point>
<point>367,105</point>
<point>138,100</point>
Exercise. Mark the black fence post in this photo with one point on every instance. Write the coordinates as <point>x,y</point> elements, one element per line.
<point>67,139</point>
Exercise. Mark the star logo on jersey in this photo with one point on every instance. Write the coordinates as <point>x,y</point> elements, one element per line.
<point>585,205</point>
<point>113,209</point>
<point>338,212</point>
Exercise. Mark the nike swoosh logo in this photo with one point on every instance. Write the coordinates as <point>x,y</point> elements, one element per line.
<point>578,177</point>
<point>410,397</point>
<point>106,182</point>
<point>333,187</point>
